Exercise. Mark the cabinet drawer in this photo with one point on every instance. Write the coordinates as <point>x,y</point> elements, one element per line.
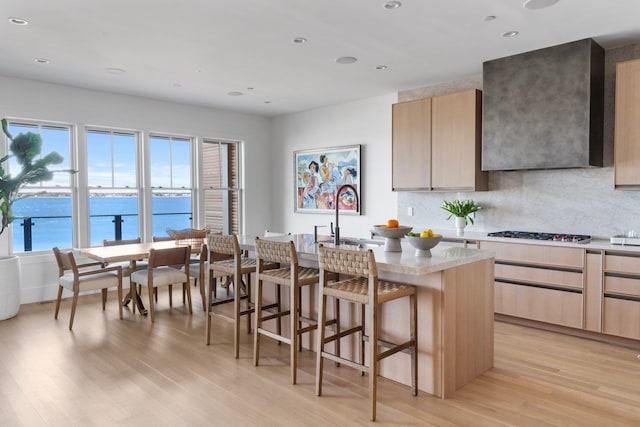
<point>622,264</point>
<point>565,279</point>
<point>622,318</point>
<point>544,305</point>
<point>536,254</point>
<point>622,285</point>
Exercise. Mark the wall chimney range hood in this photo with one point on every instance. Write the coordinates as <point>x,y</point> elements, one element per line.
<point>544,109</point>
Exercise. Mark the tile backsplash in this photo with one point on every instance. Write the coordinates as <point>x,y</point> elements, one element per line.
<point>580,201</point>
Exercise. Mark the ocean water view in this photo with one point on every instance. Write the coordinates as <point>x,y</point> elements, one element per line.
<point>52,222</point>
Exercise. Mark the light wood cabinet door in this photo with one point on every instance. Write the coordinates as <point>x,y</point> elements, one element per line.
<point>456,142</point>
<point>627,126</point>
<point>411,163</point>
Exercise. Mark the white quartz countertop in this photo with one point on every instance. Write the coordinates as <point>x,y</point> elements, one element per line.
<point>595,244</point>
<point>405,262</point>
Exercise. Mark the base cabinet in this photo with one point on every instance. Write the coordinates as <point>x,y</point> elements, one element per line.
<point>541,283</point>
<point>621,317</point>
<point>621,292</point>
<point>544,305</point>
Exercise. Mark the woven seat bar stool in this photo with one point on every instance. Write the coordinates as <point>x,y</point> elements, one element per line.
<point>294,277</point>
<point>235,267</point>
<point>362,287</point>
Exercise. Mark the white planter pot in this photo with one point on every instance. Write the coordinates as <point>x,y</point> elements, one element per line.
<point>9,286</point>
<point>460,224</point>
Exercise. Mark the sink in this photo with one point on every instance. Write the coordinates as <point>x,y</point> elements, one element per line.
<point>353,241</point>
<point>363,243</point>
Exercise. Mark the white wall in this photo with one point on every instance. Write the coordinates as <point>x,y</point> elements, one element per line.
<point>366,122</point>
<point>28,99</point>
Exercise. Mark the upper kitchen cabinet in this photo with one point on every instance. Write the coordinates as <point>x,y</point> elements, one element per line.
<point>456,152</point>
<point>411,163</point>
<point>437,143</point>
<point>627,127</point>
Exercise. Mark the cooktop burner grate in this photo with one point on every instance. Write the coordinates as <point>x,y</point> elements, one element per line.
<point>559,237</point>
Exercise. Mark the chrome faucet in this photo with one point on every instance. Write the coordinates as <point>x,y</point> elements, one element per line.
<point>336,237</point>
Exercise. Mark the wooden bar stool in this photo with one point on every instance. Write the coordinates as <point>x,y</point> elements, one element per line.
<point>292,276</point>
<point>362,287</point>
<point>235,267</point>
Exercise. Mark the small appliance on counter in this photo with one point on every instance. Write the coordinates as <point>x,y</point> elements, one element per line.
<point>631,238</point>
<point>557,237</point>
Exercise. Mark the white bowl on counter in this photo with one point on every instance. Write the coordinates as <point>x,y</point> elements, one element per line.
<point>391,236</point>
<point>423,245</point>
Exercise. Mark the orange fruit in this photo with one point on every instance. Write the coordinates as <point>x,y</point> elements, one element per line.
<point>393,223</point>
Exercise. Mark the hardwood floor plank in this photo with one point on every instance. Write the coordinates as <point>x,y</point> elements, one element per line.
<point>129,372</point>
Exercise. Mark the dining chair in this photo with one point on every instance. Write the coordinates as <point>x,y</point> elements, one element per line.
<point>85,277</point>
<point>293,276</point>
<point>362,287</point>
<point>198,272</point>
<point>127,267</point>
<point>227,260</point>
<point>165,268</point>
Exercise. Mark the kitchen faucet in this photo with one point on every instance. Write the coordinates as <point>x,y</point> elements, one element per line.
<point>336,237</point>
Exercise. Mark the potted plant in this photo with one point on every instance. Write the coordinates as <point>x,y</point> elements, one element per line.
<point>26,148</point>
<point>463,211</point>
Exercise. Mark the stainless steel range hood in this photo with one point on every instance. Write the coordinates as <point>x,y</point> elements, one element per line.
<point>544,109</point>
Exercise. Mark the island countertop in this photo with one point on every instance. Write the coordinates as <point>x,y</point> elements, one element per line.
<point>405,262</point>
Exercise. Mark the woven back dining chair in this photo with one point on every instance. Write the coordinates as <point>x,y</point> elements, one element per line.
<point>227,260</point>
<point>361,286</point>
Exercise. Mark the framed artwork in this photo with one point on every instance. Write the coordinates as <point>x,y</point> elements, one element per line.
<point>319,174</point>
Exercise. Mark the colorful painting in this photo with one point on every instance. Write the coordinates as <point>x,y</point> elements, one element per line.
<point>319,174</point>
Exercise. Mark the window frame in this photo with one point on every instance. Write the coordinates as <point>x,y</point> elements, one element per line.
<point>69,157</point>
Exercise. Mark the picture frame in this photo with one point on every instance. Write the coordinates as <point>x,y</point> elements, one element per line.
<point>319,173</point>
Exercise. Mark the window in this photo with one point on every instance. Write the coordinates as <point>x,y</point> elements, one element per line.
<point>113,188</point>
<point>221,189</point>
<point>170,168</point>
<point>44,219</point>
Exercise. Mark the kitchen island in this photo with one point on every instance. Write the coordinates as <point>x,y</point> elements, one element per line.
<point>455,310</point>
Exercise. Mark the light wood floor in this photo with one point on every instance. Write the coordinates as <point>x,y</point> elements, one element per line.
<point>110,372</point>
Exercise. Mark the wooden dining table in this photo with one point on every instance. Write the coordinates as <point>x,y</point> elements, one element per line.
<point>132,253</point>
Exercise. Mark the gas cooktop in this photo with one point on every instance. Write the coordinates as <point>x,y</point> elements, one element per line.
<point>558,237</point>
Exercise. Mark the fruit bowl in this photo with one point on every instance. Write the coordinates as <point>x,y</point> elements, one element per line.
<point>423,245</point>
<point>391,236</point>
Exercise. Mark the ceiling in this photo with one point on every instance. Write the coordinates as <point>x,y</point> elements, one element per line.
<point>199,51</point>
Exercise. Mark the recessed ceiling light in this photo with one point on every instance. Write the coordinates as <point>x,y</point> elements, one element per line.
<point>346,60</point>
<point>510,34</point>
<point>235,94</point>
<point>299,40</point>
<point>538,4</point>
<point>490,17</point>
<point>18,21</point>
<point>42,61</point>
<point>113,70</point>
<point>392,5</point>
<point>381,67</point>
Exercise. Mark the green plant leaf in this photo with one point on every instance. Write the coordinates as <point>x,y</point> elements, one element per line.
<point>461,209</point>
<point>5,129</point>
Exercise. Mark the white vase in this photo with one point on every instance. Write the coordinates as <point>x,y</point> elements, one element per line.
<point>9,286</point>
<point>460,224</point>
